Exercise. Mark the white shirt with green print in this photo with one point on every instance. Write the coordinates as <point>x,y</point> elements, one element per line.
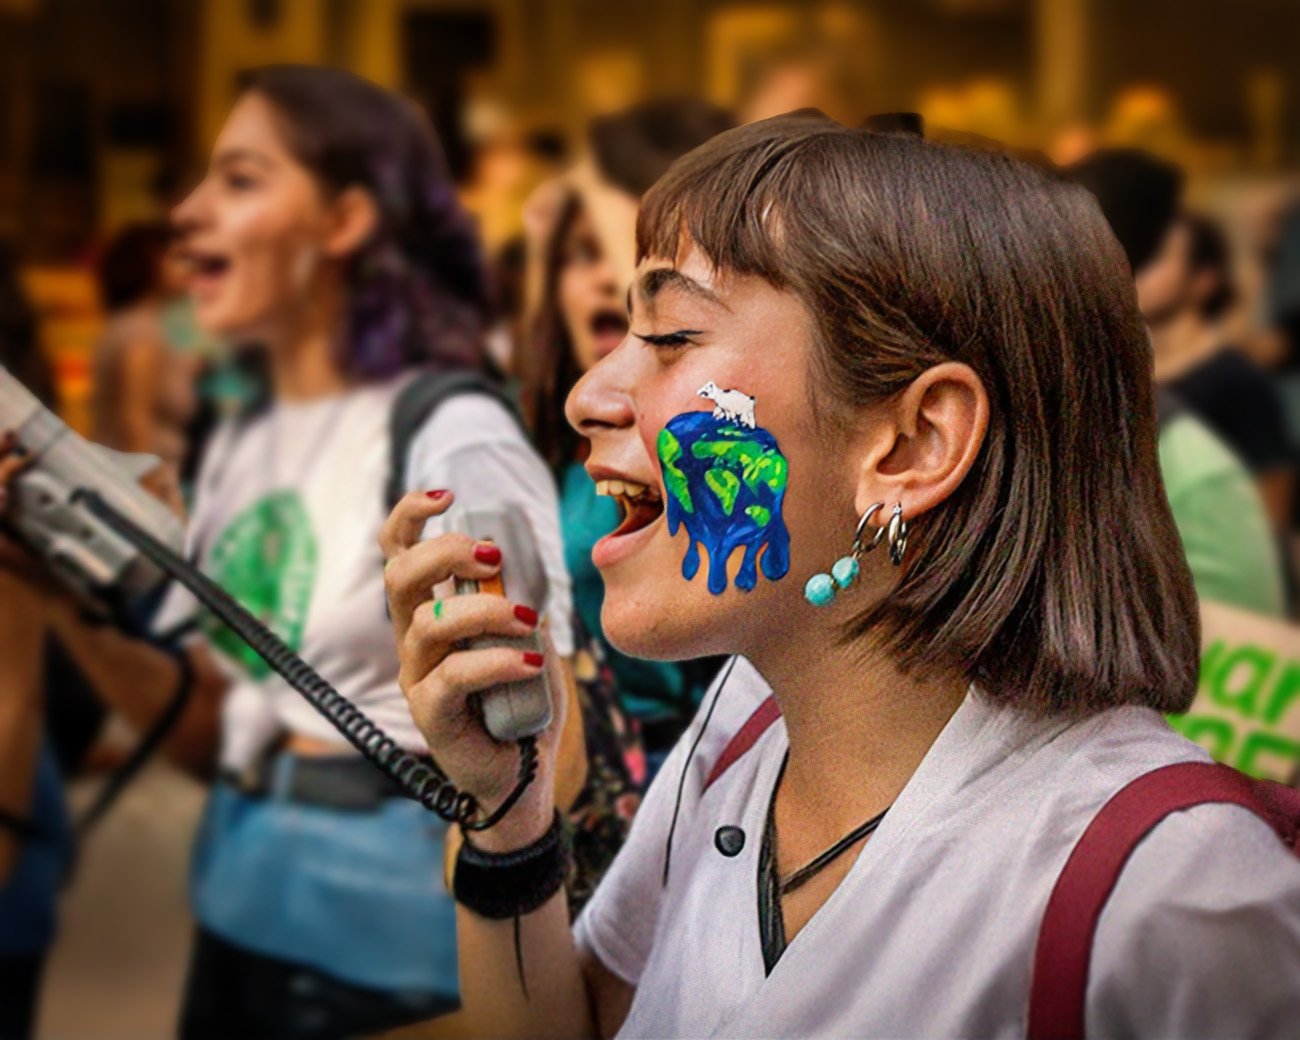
<point>287,514</point>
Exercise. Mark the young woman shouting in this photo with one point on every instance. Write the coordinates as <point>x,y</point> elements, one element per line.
<point>327,239</point>
<point>885,431</point>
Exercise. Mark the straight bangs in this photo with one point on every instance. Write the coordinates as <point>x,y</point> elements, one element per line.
<point>1054,576</point>
<point>730,208</point>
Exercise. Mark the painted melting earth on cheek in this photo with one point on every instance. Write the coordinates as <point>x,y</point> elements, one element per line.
<point>726,484</point>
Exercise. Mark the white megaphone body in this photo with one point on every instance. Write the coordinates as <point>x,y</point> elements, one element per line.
<point>48,512</point>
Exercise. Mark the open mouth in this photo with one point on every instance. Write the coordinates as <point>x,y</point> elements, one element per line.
<point>639,505</point>
<point>205,269</point>
<point>608,328</point>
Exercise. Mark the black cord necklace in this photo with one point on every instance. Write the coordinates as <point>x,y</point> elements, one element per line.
<point>772,887</point>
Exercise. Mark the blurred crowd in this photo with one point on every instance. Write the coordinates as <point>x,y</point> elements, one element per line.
<point>1219,286</point>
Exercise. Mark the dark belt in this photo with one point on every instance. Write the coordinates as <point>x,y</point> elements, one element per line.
<point>345,782</point>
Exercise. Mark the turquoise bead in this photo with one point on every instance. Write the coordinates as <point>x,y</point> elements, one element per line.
<point>820,590</point>
<point>845,571</point>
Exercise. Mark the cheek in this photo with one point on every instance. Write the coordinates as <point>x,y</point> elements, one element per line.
<point>276,254</point>
<point>725,479</point>
<point>570,293</point>
<point>663,395</point>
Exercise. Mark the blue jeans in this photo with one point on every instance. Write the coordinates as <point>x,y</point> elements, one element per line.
<point>357,895</point>
<point>233,993</point>
<point>29,896</point>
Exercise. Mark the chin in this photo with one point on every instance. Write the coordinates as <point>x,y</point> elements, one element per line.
<point>232,315</point>
<point>218,321</point>
<point>659,616</point>
<point>657,630</point>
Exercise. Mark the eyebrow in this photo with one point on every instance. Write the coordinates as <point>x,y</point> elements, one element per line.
<point>233,155</point>
<point>655,281</point>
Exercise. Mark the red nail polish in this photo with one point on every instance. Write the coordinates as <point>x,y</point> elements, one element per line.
<point>435,495</point>
<point>534,660</point>
<point>526,614</point>
<point>487,554</point>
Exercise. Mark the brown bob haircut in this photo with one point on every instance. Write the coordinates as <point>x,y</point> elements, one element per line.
<point>1054,576</point>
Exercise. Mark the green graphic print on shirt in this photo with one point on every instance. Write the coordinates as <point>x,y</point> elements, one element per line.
<point>266,558</point>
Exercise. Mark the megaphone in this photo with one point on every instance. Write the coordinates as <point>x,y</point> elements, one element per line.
<point>49,512</point>
<point>80,507</point>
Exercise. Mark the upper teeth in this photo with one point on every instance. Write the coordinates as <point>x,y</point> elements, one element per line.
<point>624,488</point>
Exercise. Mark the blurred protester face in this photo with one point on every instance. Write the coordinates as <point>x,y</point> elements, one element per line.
<point>594,312</point>
<point>140,264</point>
<point>1164,285</point>
<point>174,271</point>
<point>1187,275</point>
<point>583,234</point>
<point>258,230</point>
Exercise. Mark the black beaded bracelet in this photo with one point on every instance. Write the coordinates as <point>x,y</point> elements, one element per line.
<point>501,886</point>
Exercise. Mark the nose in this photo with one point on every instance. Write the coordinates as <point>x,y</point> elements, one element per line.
<point>605,278</point>
<point>191,213</point>
<point>601,402</point>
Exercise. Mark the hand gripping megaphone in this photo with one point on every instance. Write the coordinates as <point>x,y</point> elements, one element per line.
<point>50,507</point>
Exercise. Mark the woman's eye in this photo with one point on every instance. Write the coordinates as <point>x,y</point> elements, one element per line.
<point>581,253</point>
<point>237,181</point>
<point>669,340</point>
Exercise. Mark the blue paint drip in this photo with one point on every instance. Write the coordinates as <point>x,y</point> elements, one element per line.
<point>723,515</point>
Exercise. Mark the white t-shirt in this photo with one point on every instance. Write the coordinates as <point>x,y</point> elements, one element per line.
<point>932,931</point>
<point>287,516</point>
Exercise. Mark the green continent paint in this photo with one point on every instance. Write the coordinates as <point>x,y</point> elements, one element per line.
<point>670,450</point>
<point>726,484</point>
<point>266,558</point>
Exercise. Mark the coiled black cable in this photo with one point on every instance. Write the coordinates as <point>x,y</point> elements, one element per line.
<point>421,779</point>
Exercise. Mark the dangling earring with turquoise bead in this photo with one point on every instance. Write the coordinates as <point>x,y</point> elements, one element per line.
<point>821,588</point>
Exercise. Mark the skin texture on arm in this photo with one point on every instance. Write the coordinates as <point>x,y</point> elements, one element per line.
<point>132,675</point>
<point>608,995</point>
<point>570,769</point>
<point>1221,520</point>
<point>438,679</point>
<point>571,758</point>
<point>23,626</point>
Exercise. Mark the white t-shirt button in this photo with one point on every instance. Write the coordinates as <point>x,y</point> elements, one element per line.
<point>729,840</point>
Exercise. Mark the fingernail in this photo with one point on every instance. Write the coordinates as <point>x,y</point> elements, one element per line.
<point>487,554</point>
<point>434,495</point>
<point>534,660</point>
<point>526,614</point>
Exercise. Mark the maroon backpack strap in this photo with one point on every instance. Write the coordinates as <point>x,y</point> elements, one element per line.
<point>1060,979</point>
<point>745,738</point>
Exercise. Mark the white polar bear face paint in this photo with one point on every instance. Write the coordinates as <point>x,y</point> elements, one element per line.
<point>732,405</point>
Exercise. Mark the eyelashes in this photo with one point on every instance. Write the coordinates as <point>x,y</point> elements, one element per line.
<point>673,340</point>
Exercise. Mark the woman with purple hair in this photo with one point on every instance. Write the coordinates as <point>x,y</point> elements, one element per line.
<point>327,240</point>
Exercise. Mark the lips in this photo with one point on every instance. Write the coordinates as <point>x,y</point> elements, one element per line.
<point>206,269</point>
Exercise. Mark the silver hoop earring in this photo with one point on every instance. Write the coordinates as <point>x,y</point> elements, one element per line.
<point>897,535</point>
<point>820,589</point>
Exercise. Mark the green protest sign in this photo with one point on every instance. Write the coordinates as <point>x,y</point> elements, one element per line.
<point>1247,708</point>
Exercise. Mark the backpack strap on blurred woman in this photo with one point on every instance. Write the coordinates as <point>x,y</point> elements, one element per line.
<point>416,402</point>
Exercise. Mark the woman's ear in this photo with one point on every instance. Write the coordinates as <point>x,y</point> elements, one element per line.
<point>924,442</point>
<point>353,218</point>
